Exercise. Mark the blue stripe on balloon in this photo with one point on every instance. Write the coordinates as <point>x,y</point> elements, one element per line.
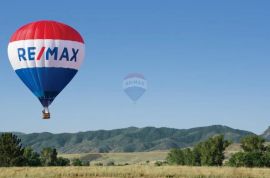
<point>134,93</point>
<point>46,82</point>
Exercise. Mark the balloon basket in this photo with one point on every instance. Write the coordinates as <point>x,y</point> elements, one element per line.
<point>46,115</point>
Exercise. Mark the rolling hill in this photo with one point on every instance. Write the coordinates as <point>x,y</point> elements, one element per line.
<point>266,134</point>
<point>131,139</point>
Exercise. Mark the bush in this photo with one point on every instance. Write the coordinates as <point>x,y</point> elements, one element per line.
<point>86,163</point>
<point>175,156</point>
<point>77,162</point>
<point>63,161</point>
<point>237,160</point>
<point>110,163</point>
<point>98,164</point>
<point>31,158</point>
<point>247,159</point>
<point>160,163</point>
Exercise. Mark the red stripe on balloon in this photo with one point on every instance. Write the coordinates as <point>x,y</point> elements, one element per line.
<point>40,53</point>
<point>46,30</point>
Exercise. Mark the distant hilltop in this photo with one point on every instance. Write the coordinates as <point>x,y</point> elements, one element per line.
<point>266,134</point>
<point>131,139</point>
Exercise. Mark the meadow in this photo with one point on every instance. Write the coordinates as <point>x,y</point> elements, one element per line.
<point>134,157</point>
<point>137,164</point>
<point>149,171</point>
<point>119,158</point>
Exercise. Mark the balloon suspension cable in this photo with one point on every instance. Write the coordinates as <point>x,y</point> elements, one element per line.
<point>46,113</point>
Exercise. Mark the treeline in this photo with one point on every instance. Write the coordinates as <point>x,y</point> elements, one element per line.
<point>13,154</point>
<point>254,153</point>
<point>207,153</point>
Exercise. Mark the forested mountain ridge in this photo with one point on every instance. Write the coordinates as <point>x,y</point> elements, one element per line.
<point>131,139</point>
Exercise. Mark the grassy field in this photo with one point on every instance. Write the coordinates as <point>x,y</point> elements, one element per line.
<point>149,171</point>
<point>119,158</point>
<point>135,157</point>
<point>137,167</point>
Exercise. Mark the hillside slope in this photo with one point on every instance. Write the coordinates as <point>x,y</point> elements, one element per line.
<point>266,134</point>
<point>129,139</point>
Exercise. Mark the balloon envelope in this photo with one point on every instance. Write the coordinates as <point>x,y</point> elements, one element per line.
<point>46,55</point>
<point>134,86</point>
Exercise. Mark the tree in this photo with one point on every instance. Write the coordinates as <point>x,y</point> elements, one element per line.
<point>13,154</point>
<point>31,158</point>
<point>212,150</point>
<point>254,159</point>
<point>266,158</point>
<point>197,155</point>
<point>63,161</point>
<point>253,143</point>
<point>188,157</point>
<point>48,157</point>
<point>218,147</point>
<point>11,151</point>
<point>254,154</point>
<point>175,156</point>
<point>208,153</point>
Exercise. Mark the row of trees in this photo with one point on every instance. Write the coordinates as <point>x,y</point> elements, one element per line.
<point>207,153</point>
<point>13,154</point>
<point>255,153</point>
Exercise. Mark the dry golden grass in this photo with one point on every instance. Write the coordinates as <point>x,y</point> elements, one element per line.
<point>149,171</point>
<point>135,157</point>
<point>120,158</point>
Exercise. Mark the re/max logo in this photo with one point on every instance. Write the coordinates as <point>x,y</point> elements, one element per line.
<point>30,53</point>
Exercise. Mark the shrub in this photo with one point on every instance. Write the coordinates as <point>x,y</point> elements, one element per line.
<point>77,162</point>
<point>86,163</point>
<point>98,164</point>
<point>158,163</point>
<point>31,158</point>
<point>110,163</point>
<point>63,161</point>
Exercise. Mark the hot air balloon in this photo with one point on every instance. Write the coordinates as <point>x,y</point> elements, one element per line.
<point>134,86</point>
<point>46,55</point>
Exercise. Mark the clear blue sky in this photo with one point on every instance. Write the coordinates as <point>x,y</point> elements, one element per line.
<point>206,62</point>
